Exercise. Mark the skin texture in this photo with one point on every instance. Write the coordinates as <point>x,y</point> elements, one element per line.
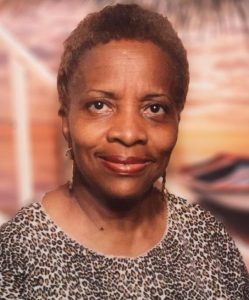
<point>127,83</point>
<point>120,106</point>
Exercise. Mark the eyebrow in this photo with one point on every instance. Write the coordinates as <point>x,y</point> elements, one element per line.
<point>110,94</point>
<point>105,93</point>
<point>155,95</point>
<point>158,95</point>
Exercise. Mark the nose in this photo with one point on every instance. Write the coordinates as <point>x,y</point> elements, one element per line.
<point>128,129</point>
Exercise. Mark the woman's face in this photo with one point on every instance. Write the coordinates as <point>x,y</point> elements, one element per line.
<point>121,123</point>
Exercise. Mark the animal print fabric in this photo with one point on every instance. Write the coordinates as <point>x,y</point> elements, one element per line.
<point>195,259</point>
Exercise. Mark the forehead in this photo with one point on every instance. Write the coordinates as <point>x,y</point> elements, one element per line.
<point>121,60</point>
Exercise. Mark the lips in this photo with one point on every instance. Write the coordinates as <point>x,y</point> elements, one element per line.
<point>124,165</point>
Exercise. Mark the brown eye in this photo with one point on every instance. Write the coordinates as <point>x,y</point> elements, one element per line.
<point>155,108</point>
<point>98,105</point>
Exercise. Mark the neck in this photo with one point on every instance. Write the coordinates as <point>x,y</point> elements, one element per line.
<point>124,216</point>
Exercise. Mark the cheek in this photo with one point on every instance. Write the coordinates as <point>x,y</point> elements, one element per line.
<point>165,140</point>
<point>85,135</point>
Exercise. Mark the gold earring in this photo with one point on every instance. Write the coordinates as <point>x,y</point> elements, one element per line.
<point>164,190</point>
<point>69,155</point>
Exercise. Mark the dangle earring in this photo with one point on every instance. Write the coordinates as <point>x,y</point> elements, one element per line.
<point>69,155</point>
<point>164,190</point>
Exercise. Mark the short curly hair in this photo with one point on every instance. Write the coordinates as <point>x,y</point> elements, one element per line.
<point>124,21</point>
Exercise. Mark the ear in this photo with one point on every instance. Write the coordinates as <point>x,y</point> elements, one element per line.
<point>179,116</point>
<point>64,114</point>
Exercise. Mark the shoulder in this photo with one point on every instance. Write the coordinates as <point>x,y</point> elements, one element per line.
<point>192,215</point>
<point>25,216</point>
<point>17,250</point>
<point>198,226</point>
<point>209,242</point>
<point>17,238</point>
<point>21,228</point>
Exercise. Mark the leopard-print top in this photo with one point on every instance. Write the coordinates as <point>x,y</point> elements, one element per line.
<point>195,259</point>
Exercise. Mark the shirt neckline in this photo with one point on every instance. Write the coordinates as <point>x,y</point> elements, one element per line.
<point>95,253</point>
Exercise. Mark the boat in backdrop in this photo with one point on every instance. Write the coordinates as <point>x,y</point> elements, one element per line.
<point>222,180</point>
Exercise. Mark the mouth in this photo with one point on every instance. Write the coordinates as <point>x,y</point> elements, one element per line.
<point>124,165</point>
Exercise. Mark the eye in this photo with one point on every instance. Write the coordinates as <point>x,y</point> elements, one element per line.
<point>98,107</point>
<point>154,110</point>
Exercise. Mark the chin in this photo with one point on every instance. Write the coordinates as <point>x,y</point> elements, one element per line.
<point>122,202</point>
<point>118,191</point>
<point>124,196</point>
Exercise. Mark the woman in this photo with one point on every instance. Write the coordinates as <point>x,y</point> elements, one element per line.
<point>110,233</point>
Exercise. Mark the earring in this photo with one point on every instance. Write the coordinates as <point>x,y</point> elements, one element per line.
<point>164,190</point>
<point>69,155</point>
